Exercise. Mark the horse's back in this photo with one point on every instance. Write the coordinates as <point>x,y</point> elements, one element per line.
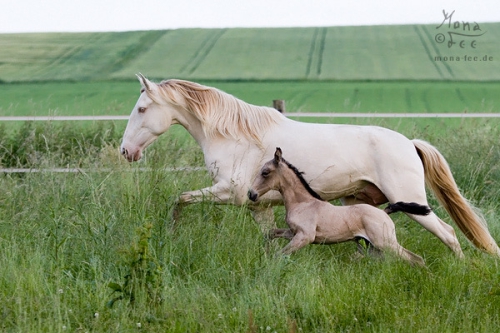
<point>340,160</point>
<point>350,143</point>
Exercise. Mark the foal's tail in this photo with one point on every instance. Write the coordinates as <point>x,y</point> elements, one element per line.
<point>439,178</point>
<point>408,207</point>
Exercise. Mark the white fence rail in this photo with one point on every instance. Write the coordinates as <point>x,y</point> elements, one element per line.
<point>103,170</point>
<point>288,114</point>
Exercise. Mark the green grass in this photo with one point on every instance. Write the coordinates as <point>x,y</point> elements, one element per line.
<point>68,98</point>
<point>406,52</point>
<point>66,238</point>
<point>118,98</point>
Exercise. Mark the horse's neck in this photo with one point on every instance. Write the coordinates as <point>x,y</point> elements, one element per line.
<point>293,191</point>
<point>193,125</point>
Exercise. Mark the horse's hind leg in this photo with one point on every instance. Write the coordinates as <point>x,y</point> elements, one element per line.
<point>441,230</point>
<point>409,186</point>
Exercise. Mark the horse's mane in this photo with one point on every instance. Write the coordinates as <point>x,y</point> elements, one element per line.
<point>299,174</point>
<point>219,112</point>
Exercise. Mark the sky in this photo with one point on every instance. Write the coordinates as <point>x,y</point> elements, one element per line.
<point>128,15</point>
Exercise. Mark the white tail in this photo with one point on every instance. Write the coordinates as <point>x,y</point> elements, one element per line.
<point>439,178</point>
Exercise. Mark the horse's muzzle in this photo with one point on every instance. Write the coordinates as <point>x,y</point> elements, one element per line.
<point>252,195</point>
<point>129,156</point>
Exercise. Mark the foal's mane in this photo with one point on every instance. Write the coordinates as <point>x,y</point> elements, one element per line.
<point>299,174</point>
<point>219,112</point>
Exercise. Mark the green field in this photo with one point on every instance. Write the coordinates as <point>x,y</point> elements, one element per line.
<point>118,98</point>
<point>405,52</point>
<point>96,250</point>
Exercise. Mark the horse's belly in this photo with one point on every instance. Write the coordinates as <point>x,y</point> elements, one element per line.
<point>329,190</point>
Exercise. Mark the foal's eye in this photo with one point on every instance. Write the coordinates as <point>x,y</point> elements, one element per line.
<point>265,173</point>
<point>141,110</point>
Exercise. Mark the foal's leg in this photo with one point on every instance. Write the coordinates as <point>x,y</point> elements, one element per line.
<point>395,247</point>
<point>367,247</point>
<point>281,233</point>
<point>299,240</point>
<point>382,235</point>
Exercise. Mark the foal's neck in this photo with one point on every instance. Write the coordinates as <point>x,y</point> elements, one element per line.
<point>292,189</point>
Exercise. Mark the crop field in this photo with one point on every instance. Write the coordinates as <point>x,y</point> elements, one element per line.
<point>408,52</point>
<point>97,250</point>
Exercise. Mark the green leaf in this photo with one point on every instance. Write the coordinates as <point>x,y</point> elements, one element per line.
<point>115,287</point>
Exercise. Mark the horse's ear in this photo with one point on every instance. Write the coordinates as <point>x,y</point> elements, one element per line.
<point>145,83</point>
<point>277,155</point>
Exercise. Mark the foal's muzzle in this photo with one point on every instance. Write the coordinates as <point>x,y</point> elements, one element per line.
<point>252,195</point>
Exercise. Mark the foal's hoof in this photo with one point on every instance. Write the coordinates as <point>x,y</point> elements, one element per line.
<point>356,256</point>
<point>175,214</point>
<point>285,257</point>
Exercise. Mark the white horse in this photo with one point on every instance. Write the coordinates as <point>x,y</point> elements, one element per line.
<point>358,164</point>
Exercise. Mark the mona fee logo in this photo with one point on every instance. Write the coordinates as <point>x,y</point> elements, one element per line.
<point>458,33</point>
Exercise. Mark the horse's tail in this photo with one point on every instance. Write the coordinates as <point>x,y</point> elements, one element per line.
<point>439,178</point>
<point>408,207</point>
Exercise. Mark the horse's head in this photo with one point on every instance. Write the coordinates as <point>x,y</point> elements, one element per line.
<point>150,118</point>
<point>268,177</point>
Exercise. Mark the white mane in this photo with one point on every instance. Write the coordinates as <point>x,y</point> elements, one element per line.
<point>219,112</point>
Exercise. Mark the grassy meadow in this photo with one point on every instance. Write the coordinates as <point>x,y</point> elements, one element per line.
<point>97,251</point>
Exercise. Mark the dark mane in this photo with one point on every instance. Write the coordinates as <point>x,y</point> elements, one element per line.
<point>302,180</point>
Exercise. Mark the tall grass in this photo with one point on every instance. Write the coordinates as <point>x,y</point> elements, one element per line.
<point>34,145</point>
<point>68,240</point>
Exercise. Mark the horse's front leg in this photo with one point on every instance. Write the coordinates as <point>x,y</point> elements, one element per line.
<point>264,216</point>
<point>218,193</point>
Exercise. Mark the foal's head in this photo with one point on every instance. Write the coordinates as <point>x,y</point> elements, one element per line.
<point>272,176</point>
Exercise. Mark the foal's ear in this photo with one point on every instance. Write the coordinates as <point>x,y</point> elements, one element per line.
<point>277,155</point>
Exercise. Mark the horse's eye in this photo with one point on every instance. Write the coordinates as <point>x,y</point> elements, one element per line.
<point>265,173</point>
<point>141,110</point>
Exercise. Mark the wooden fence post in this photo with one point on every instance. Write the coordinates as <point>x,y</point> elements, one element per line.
<point>279,105</point>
